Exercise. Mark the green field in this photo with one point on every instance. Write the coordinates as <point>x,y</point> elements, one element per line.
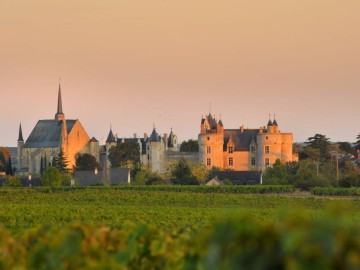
<point>25,208</point>
<point>154,228</point>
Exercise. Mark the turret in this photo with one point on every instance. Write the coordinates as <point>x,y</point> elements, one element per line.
<point>20,144</point>
<point>110,142</point>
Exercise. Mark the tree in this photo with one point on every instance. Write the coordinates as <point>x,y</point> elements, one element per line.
<point>200,172</point>
<point>189,146</point>
<point>321,143</point>
<point>124,154</point>
<point>276,175</point>
<point>306,176</point>
<point>346,148</point>
<point>182,174</point>
<point>86,162</point>
<point>60,162</point>
<point>4,158</point>
<point>52,177</point>
<point>9,169</point>
<point>12,181</point>
<point>357,143</point>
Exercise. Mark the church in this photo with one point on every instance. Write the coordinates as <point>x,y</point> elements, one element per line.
<point>51,136</point>
<point>243,149</point>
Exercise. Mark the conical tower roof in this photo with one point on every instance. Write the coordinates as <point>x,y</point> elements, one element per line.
<point>111,137</point>
<point>59,113</point>
<point>20,139</point>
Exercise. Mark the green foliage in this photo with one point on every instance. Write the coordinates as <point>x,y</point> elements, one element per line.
<point>293,240</point>
<point>331,191</point>
<point>306,176</point>
<point>318,147</point>
<point>12,181</point>
<point>86,162</point>
<point>60,162</point>
<point>4,160</point>
<point>124,154</point>
<point>52,177</point>
<point>189,146</point>
<point>349,181</point>
<point>182,174</point>
<point>276,175</point>
<point>199,172</point>
<point>357,143</point>
<point>346,148</point>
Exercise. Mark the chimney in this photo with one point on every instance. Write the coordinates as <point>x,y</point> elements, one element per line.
<point>145,136</point>
<point>261,130</point>
<point>242,129</point>
<point>166,137</point>
<point>135,136</point>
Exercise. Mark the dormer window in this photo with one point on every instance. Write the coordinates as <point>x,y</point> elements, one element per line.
<point>231,149</point>
<point>253,149</point>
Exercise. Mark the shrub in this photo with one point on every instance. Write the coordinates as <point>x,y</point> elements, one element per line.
<point>12,181</point>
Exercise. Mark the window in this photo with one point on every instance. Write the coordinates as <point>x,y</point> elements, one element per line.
<point>253,149</point>
<point>208,162</point>
<point>267,149</point>
<point>253,161</point>
<point>208,138</point>
<point>231,149</point>
<point>231,161</point>
<point>208,149</point>
<point>267,161</point>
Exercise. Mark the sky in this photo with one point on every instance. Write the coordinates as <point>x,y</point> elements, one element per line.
<point>135,63</point>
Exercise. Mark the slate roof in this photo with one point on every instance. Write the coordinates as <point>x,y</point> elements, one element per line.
<point>111,137</point>
<point>47,133</point>
<point>93,139</point>
<point>240,177</point>
<point>242,140</point>
<point>154,137</point>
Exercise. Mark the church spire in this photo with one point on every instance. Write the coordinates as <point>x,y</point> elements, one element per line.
<point>59,114</point>
<point>20,134</point>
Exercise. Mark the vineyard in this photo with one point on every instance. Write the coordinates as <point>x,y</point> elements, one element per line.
<point>173,228</point>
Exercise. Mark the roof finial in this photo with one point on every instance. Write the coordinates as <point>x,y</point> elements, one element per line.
<point>154,126</point>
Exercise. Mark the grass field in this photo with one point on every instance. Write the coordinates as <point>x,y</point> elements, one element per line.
<point>25,208</point>
<point>180,228</point>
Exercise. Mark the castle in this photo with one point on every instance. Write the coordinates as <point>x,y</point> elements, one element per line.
<point>51,136</point>
<point>154,149</point>
<point>243,149</point>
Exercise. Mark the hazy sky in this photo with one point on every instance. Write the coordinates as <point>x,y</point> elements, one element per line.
<point>133,63</point>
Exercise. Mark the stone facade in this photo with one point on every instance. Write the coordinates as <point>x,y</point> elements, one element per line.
<point>48,138</point>
<point>154,149</point>
<point>243,149</point>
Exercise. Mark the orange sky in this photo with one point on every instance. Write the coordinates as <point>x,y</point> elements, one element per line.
<point>135,62</point>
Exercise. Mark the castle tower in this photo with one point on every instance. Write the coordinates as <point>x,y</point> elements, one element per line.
<point>59,114</point>
<point>211,142</point>
<point>110,142</point>
<point>155,151</point>
<point>20,146</point>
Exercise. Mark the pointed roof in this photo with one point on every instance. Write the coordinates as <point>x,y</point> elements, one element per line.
<point>20,139</point>
<point>93,139</point>
<point>111,137</point>
<point>154,137</point>
<point>275,123</point>
<point>270,123</point>
<point>59,108</point>
<point>59,113</point>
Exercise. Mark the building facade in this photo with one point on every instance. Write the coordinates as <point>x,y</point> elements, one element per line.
<point>243,149</point>
<point>154,149</point>
<point>51,136</point>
